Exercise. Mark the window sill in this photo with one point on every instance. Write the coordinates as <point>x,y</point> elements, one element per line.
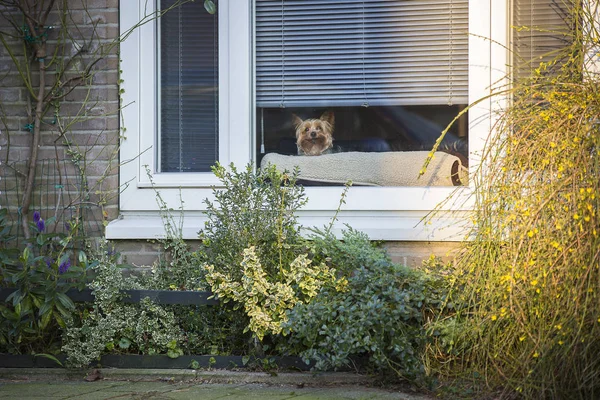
<point>378,225</point>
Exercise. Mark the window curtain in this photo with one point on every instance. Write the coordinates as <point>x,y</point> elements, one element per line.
<point>541,30</point>
<point>361,53</point>
<point>189,88</point>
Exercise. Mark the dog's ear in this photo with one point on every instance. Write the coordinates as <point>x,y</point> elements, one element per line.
<point>296,120</point>
<point>328,117</point>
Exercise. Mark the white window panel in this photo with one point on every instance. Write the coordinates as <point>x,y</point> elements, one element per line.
<point>141,113</point>
<point>386,213</point>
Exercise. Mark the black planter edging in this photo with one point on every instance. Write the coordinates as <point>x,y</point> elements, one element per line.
<point>182,362</point>
<point>186,298</point>
<point>29,361</point>
<point>154,362</point>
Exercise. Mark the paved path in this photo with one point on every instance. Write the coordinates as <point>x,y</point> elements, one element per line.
<point>52,386</point>
<point>104,390</point>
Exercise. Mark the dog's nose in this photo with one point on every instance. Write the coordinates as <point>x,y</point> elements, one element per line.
<point>313,134</point>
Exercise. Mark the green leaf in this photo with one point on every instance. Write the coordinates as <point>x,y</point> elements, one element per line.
<point>26,305</point>
<point>26,254</point>
<point>15,297</point>
<point>124,343</point>
<point>46,307</point>
<point>62,310</point>
<point>60,321</point>
<point>50,357</point>
<point>210,6</point>
<point>46,318</point>
<point>37,300</point>
<point>174,353</point>
<point>8,314</point>
<point>65,301</point>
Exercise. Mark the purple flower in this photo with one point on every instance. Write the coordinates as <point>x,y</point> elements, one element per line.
<point>41,225</point>
<point>36,216</point>
<point>49,261</point>
<point>64,266</point>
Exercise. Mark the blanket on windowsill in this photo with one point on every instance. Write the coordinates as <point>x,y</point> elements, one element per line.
<point>373,169</point>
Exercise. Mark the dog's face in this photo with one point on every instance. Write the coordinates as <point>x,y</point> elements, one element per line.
<point>314,136</point>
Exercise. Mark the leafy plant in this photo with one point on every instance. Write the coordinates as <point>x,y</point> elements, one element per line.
<point>112,325</point>
<point>211,330</point>
<point>253,209</point>
<point>46,268</point>
<point>253,225</point>
<point>353,251</point>
<point>266,298</point>
<point>178,266</point>
<point>380,317</point>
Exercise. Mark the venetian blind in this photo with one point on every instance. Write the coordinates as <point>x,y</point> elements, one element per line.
<point>351,52</point>
<point>541,30</point>
<point>189,88</point>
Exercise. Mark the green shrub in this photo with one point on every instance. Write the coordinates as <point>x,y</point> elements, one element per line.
<point>254,252</point>
<point>211,330</point>
<point>253,209</point>
<point>380,317</point>
<point>353,251</point>
<point>178,267</point>
<point>113,326</point>
<point>266,298</point>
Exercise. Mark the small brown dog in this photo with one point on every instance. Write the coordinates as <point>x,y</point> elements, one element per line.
<point>314,136</point>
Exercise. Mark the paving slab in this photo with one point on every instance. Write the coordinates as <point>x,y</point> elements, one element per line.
<point>34,384</point>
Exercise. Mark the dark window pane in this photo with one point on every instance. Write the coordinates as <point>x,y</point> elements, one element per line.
<point>189,88</point>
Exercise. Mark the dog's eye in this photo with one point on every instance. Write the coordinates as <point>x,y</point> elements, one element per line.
<point>318,128</point>
<point>306,130</point>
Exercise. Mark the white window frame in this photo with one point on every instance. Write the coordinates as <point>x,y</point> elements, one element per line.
<point>384,213</point>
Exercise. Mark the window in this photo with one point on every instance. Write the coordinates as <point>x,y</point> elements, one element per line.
<point>389,76</point>
<point>189,79</point>
<point>186,100</point>
<point>411,61</point>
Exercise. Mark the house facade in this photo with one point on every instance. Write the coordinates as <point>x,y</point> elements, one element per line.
<point>195,88</point>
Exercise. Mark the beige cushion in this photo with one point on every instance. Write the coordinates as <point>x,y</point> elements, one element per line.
<point>374,169</point>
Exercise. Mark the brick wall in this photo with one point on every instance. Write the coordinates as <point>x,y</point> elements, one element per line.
<point>143,253</point>
<point>412,254</point>
<point>60,189</point>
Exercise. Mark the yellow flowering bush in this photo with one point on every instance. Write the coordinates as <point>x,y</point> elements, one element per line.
<point>267,299</point>
<point>526,287</point>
